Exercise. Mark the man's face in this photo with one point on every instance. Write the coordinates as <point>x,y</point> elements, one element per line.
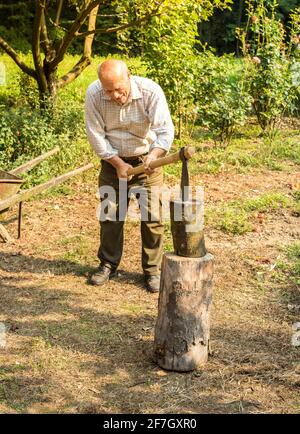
<point>117,89</point>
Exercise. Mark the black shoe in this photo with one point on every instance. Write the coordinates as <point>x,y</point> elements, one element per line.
<point>102,275</point>
<point>152,283</point>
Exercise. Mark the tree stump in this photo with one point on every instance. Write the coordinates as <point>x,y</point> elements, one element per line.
<point>181,339</point>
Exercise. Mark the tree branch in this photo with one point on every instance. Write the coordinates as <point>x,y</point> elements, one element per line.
<point>36,40</point>
<point>67,39</point>
<point>87,51</point>
<point>119,28</point>
<point>58,12</point>
<point>57,26</point>
<point>16,58</point>
<point>45,43</point>
<point>74,72</point>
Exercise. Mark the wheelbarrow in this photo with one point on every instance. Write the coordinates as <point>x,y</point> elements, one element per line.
<point>10,184</point>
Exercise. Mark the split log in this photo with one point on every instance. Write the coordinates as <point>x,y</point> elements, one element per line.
<point>5,235</point>
<point>182,329</point>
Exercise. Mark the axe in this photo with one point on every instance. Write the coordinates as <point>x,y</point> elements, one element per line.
<point>187,152</point>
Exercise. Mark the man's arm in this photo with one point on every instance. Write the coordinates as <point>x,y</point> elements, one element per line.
<point>96,136</point>
<point>153,155</point>
<point>95,129</point>
<point>161,123</point>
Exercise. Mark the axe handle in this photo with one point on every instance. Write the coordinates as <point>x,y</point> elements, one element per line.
<point>169,159</point>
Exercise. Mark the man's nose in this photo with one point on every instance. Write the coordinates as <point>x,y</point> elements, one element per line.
<point>117,95</point>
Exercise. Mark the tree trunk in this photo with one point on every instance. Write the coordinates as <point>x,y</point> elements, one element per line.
<point>58,11</point>
<point>239,23</point>
<point>181,340</point>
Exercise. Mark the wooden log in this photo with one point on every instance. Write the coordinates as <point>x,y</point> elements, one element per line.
<point>182,329</point>
<point>5,235</point>
<point>30,164</point>
<point>189,151</point>
<point>26,194</point>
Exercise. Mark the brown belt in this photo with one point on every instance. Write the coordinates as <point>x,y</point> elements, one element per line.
<point>133,158</point>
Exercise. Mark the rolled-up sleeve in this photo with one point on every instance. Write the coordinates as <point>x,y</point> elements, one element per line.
<point>95,129</point>
<point>161,121</point>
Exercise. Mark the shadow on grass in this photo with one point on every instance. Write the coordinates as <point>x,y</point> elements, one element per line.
<point>66,353</point>
<point>15,262</point>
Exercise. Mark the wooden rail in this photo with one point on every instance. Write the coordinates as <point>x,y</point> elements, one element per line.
<point>26,194</point>
<point>30,164</point>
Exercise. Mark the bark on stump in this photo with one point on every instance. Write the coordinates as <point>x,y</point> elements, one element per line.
<point>181,339</point>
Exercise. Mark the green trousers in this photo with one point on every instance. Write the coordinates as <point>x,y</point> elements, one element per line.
<point>114,205</point>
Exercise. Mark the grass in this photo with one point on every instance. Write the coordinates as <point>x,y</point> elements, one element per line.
<point>74,92</point>
<point>290,265</point>
<point>230,220</point>
<point>293,254</point>
<point>267,202</point>
<point>237,217</point>
<point>247,151</point>
<point>76,248</point>
<point>82,349</point>
<point>244,154</point>
<point>296,207</point>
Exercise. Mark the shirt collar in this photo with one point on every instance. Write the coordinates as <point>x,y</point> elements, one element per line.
<point>134,90</point>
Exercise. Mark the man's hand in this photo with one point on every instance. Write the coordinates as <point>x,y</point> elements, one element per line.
<point>153,155</point>
<point>122,170</point>
<point>120,166</point>
<point>147,162</point>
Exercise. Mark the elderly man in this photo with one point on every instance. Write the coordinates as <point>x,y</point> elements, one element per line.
<point>128,123</point>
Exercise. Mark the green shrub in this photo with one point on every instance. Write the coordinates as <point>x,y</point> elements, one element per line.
<point>171,59</point>
<point>14,38</point>
<point>28,90</point>
<point>221,97</point>
<point>25,134</point>
<point>267,64</point>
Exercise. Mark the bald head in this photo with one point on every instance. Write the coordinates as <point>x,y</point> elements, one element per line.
<point>115,79</point>
<point>112,68</point>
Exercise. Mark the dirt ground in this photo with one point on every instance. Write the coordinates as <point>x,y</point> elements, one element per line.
<point>72,347</point>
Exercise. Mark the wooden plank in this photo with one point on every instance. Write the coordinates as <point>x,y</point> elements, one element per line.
<point>5,235</point>
<point>26,194</point>
<point>30,164</point>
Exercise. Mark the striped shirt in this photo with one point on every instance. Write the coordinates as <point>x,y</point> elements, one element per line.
<point>134,128</point>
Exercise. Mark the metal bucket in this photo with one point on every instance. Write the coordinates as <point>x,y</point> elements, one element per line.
<point>9,184</point>
<point>187,228</point>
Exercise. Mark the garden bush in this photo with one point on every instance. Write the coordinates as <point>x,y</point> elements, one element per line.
<point>221,96</point>
<point>268,65</point>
